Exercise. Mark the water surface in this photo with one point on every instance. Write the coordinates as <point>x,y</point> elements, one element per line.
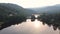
<point>29,27</point>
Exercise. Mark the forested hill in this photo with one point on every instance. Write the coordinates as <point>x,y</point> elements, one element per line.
<point>8,8</point>
<point>48,9</point>
<point>29,11</point>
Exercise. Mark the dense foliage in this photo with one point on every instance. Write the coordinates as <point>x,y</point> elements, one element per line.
<point>50,19</point>
<point>11,14</point>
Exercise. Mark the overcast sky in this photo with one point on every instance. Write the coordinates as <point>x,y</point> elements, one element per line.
<point>32,3</point>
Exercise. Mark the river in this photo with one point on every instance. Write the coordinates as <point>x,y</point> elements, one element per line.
<point>29,27</point>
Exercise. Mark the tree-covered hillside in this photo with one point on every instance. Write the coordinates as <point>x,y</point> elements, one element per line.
<point>7,8</point>
<point>48,9</point>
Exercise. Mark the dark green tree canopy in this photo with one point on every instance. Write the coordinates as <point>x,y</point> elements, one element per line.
<point>8,8</point>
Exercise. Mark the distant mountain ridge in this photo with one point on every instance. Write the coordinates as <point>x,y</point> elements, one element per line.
<point>13,8</point>
<point>48,9</point>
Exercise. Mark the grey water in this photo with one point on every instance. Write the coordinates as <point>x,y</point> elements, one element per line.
<point>29,27</point>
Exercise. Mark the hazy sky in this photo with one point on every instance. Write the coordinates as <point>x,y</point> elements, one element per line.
<point>32,3</point>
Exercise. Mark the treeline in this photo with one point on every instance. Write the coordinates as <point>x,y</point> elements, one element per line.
<point>50,19</point>
<point>12,21</point>
<point>10,11</point>
<point>11,14</point>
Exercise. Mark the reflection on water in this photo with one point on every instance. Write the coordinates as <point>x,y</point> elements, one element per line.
<point>28,27</point>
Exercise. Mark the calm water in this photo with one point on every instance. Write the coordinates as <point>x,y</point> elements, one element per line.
<point>28,27</point>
